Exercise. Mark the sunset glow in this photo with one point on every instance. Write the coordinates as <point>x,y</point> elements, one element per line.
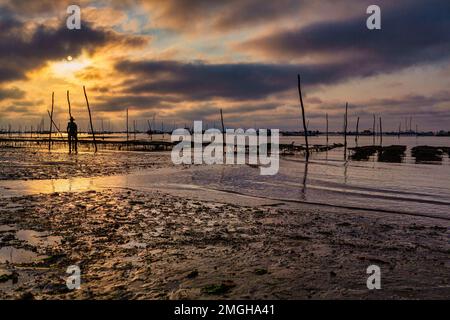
<point>182,62</point>
<point>227,159</point>
<point>69,67</point>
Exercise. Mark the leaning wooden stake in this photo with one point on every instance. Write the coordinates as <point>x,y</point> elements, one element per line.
<point>303,117</point>
<point>374,131</point>
<point>345,125</point>
<point>326,116</point>
<point>52,121</point>
<point>90,119</point>
<point>51,124</point>
<point>357,132</point>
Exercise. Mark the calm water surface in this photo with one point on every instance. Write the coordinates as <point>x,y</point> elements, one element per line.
<point>327,178</point>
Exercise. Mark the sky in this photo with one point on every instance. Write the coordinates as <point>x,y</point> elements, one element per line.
<point>177,61</point>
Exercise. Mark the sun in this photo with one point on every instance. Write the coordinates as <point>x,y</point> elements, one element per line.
<point>69,66</point>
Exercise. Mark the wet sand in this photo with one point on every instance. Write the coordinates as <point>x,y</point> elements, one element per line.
<point>29,164</point>
<point>135,245</point>
<point>158,244</point>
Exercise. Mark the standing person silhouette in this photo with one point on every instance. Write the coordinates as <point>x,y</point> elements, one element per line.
<point>72,134</point>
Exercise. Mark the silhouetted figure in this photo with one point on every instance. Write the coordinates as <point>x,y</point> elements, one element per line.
<point>72,133</point>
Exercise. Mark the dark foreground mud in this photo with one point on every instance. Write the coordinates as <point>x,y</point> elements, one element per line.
<point>135,245</point>
<point>30,164</point>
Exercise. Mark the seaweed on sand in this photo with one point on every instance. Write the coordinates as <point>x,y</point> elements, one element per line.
<point>11,276</point>
<point>218,289</point>
<point>394,153</point>
<point>363,153</point>
<point>446,150</point>
<point>427,153</point>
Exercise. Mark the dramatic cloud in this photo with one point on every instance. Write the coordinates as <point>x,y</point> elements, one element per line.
<point>200,81</point>
<point>410,35</point>
<point>242,56</point>
<point>187,15</point>
<point>24,47</point>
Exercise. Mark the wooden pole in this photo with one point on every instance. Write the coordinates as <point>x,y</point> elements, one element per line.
<point>90,119</point>
<point>357,131</point>
<point>127,124</point>
<point>303,116</point>
<point>52,121</point>
<point>345,125</point>
<point>223,129</point>
<point>70,117</point>
<point>221,119</point>
<point>381,133</point>
<point>68,102</point>
<point>326,116</point>
<point>51,124</point>
<point>134,129</point>
<point>373,128</point>
<point>399,129</point>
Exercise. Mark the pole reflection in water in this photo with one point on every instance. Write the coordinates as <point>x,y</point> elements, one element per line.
<point>305,179</point>
<point>345,172</point>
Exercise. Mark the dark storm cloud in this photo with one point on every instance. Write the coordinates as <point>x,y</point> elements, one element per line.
<point>416,32</point>
<point>200,81</point>
<point>24,47</point>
